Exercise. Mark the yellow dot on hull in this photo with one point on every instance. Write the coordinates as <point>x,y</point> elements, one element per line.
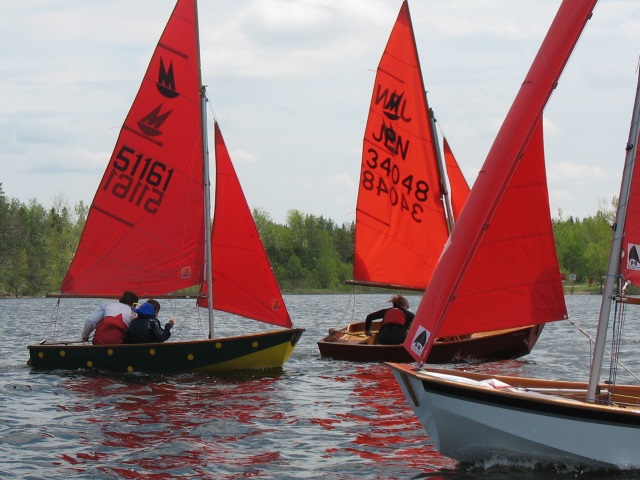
<point>190,356</point>
<point>89,364</point>
<point>62,353</point>
<point>152,351</point>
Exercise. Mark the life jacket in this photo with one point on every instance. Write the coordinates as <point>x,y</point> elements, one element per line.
<point>394,316</point>
<point>110,330</point>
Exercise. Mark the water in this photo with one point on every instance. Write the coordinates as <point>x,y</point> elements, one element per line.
<point>317,418</point>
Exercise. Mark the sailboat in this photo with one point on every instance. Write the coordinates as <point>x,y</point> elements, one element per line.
<point>476,417</point>
<point>149,230</point>
<point>404,212</point>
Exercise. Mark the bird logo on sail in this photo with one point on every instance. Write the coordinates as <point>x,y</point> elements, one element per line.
<point>633,260</point>
<point>420,340</point>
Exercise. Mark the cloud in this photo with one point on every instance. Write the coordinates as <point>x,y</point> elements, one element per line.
<point>291,81</point>
<point>342,179</point>
<point>572,171</point>
<point>242,156</point>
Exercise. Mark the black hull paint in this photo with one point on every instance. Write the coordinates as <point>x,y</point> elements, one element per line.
<point>247,352</point>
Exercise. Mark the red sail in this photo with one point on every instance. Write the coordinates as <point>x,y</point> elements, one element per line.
<point>457,183</point>
<point>630,258</point>
<point>400,219</point>
<point>500,267</point>
<point>145,230</point>
<point>243,281</point>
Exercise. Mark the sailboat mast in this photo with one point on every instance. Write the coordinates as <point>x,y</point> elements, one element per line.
<point>614,258</point>
<point>207,210</point>
<point>206,182</point>
<point>441,175</point>
<point>434,138</point>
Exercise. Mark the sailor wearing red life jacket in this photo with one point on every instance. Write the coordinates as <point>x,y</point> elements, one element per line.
<point>395,322</point>
<point>110,320</point>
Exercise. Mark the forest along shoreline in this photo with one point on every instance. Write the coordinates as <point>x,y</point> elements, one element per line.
<point>309,254</point>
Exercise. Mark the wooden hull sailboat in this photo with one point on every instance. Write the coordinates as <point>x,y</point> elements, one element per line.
<point>474,417</point>
<point>352,344</point>
<point>149,230</point>
<point>405,213</point>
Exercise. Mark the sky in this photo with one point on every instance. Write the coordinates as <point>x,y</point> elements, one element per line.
<point>290,82</point>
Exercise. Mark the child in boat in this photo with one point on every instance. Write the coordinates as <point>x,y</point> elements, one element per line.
<point>110,320</point>
<point>395,322</point>
<point>146,328</point>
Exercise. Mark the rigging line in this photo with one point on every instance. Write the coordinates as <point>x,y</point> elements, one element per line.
<point>592,341</point>
<point>346,310</point>
<point>210,105</point>
<point>619,334</point>
<point>173,305</point>
<point>353,308</point>
<point>52,320</point>
<point>615,337</point>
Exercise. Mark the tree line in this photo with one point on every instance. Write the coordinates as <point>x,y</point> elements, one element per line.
<point>308,253</point>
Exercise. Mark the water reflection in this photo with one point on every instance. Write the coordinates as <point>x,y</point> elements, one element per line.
<point>187,425</point>
<point>316,418</point>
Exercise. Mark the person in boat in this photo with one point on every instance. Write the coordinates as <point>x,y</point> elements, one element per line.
<point>146,328</point>
<point>110,320</point>
<point>395,321</point>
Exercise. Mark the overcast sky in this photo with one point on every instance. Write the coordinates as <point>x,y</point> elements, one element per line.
<point>290,82</point>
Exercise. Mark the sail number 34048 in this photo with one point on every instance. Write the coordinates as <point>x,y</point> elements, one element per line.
<point>385,178</point>
<point>138,179</point>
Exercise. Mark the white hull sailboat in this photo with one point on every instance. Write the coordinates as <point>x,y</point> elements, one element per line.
<point>149,231</point>
<point>475,417</point>
<point>405,213</point>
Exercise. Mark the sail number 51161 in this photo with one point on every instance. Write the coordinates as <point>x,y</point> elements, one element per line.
<point>138,179</point>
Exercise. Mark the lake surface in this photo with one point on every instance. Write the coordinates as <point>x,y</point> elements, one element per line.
<point>317,418</point>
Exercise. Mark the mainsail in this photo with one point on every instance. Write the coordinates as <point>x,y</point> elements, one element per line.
<point>145,229</point>
<point>243,281</point>
<point>401,227</point>
<point>505,226</point>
